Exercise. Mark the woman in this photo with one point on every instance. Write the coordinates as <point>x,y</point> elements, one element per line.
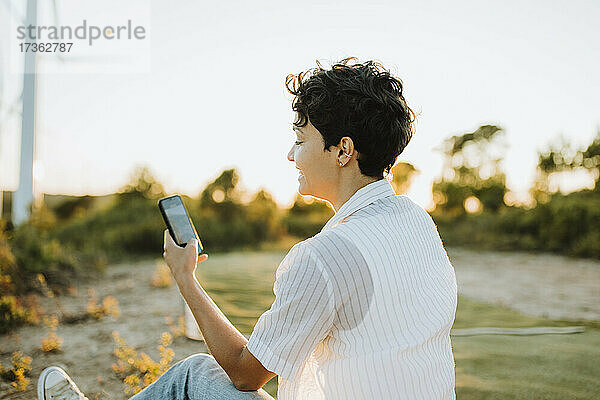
<point>364,308</point>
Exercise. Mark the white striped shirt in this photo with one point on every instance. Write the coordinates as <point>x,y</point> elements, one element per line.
<point>364,308</point>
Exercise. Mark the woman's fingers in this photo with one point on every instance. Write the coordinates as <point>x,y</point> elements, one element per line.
<point>169,243</point>
<point>167,235</point>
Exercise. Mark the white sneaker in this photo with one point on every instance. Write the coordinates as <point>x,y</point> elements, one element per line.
<point>55,384</point>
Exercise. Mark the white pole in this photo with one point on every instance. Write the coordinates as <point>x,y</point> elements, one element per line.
<point>23,197</point>
<point>192,331</point>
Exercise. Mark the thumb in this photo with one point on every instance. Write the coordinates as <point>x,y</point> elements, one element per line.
<point>192,242</point>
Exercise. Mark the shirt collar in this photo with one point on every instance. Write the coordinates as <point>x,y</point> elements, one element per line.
<point>363,197</point>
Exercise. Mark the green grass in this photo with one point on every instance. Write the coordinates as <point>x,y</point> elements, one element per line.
<point>528,367</point>
<point>487,367</point>
<point>523,367</point>
<point>473,314</point>
<point>241,283</point>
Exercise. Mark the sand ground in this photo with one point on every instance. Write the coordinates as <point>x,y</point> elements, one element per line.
<point>541,285</point>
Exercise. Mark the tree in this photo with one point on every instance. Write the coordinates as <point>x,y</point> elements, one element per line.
<point>222,189</point>
<point>263,217</point>
<point>143,184</point>
<point>562,157</point>
<point>402,174</point>
<point>306,217</point>
<point>221,197</point>
<point>471,168</point>
<point>591,160</point>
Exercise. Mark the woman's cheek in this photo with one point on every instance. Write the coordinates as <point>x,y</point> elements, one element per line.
<point>299,157</point>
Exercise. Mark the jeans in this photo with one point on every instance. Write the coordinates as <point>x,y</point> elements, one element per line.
<point>197,377</point>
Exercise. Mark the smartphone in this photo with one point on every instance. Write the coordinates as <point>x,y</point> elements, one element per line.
<point>178,221</point>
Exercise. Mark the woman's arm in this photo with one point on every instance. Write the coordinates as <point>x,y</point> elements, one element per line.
<point>224,341</point>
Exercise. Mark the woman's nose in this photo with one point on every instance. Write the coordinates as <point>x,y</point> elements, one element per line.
<point>290,155</point>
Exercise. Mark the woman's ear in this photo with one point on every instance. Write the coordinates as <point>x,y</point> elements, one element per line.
<point>346,147</point>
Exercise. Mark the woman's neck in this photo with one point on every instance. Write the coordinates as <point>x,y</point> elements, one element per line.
<point>347,189</point>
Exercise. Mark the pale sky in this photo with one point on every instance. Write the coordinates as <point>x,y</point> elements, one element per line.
<point>213,95</point>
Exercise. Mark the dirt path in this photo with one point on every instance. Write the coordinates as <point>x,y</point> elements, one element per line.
<point>87,349</point>
<point>543,285</point>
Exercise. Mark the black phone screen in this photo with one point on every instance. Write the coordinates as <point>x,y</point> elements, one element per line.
<point>179,220</point>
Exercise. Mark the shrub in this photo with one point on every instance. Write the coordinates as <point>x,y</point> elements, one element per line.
<point>161,278</point>
<point>140,370</point>
<point>21,367</point>
<point>130,227</point>
<point>35,252</point>
<point>566,224</point>
<point>306,217</point>
<point>109,306</point>
<point>52,342</point>
<point>12,314</point>
<point>177,330</point>
<point>8,263</point>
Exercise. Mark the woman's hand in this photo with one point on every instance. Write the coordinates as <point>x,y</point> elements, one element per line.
<point>181,260</point>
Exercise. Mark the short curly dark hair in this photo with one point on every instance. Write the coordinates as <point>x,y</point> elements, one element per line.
<point>360,100</point>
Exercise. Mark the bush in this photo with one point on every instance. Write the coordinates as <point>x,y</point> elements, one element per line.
<point>306,217</point>
<point>567,224</point>
<point>37,253</point>
<point>52,342</point>
<point>109,306</point>
<point>12,314</point>
<point>140,370</point>
<point>161,277</point>
<point>30,260</point>
<point>18,372</point>
<point>130,227</point>
<point>8,263</point>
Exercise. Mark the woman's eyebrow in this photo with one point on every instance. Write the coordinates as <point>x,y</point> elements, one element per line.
<point>296,129</point>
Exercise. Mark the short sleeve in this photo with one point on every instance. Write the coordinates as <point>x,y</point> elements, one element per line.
<point>301,315</point>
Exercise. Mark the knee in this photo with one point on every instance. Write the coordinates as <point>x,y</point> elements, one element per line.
<point>198,361</point>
